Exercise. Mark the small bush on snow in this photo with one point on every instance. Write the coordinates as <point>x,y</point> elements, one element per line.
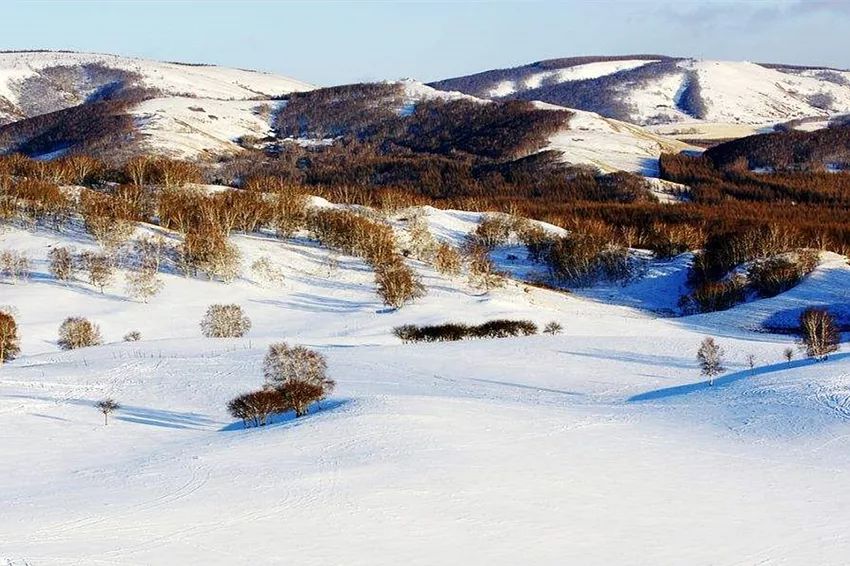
<point>77,332</point>
<point>225,321</point>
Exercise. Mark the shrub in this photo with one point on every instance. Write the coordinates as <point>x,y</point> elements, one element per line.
<point>108,219</point>
<point>406,333</point>
<point>298,373</point>
<point>284,363</point>
<point>492,231</point>
<point>447,260</point>
<point>788,354</point>
<point>505,328</point>
<point>553,328</point>
<point>778,274</point>
<point>256,407</point>
<point>454,331</point>
<point>422,244</point>
<point>715,296</point>
<point>61,263</point>
<point>267,272</point>
<point>819,333</point>
<point>482,271</point>
<point>581,258</point>
<point>397,284</point>
<point>133,336</point>
<point>288,211</point>
<point>77,332</point>
<point>10,342</point>
<point>225,321</point>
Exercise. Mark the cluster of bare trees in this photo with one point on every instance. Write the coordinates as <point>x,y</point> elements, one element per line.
<point>14,266</point>
<point>295,378</point>
<point>375,242</point>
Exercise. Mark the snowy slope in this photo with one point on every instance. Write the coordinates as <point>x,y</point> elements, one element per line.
<point>612,145</point>
<point>651,91</point>
<point>601,445</point>
<point>77,82</point>
<point>589,139</point>
<point>189,127</point>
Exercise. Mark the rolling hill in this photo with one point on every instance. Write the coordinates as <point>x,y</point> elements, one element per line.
<point>656,90</point>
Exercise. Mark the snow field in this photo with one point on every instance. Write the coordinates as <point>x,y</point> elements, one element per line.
<point>601,445</point>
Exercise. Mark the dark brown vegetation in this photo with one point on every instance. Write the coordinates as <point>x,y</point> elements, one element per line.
<point>254,408</point>
<point>790,150</point>
<point>456,331</point>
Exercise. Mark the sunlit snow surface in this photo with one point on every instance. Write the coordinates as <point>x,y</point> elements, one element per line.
<point>599,446</point>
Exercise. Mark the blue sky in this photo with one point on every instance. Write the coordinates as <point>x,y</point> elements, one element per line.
<point>337,42</point>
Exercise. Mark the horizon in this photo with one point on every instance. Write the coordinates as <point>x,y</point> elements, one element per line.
<point>346,42</point>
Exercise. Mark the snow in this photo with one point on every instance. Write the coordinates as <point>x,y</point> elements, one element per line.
<point>611,145</point>
<point>736,93</point>
<point>601,445</point>
<point>189,127</point>
<point>173,79</point>
<point>574,73</point>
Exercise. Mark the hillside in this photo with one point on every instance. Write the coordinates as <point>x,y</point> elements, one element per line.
<point>53,103</point>
<point>605,432</point>
<point>652,89</point>
<point>38,82</point>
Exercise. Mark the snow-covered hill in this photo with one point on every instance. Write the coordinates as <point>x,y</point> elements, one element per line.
<point>650,90</point>
<point>35,82</point>
<point>597,446</point>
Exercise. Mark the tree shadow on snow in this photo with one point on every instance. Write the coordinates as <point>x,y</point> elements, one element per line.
<point>633,358</point>
<point>726,380</point>
<point>289,417</point>
<point>133,414</point>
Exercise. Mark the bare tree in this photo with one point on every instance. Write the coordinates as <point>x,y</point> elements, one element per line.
<point>10,344</point>
<point>819,333</point>
<point>300,395</point>
<point>225,321</point>
<point>61,263</point>
<point>710,358</point>
<point>421,241</point>
<point>553,328</point>
<point>256,407</point>
<point>788,354</point>
<point>106,407</point>
<point>299,373</point>
<point>99,267</point>
<point>142,283</point>
<point>77,332</point>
